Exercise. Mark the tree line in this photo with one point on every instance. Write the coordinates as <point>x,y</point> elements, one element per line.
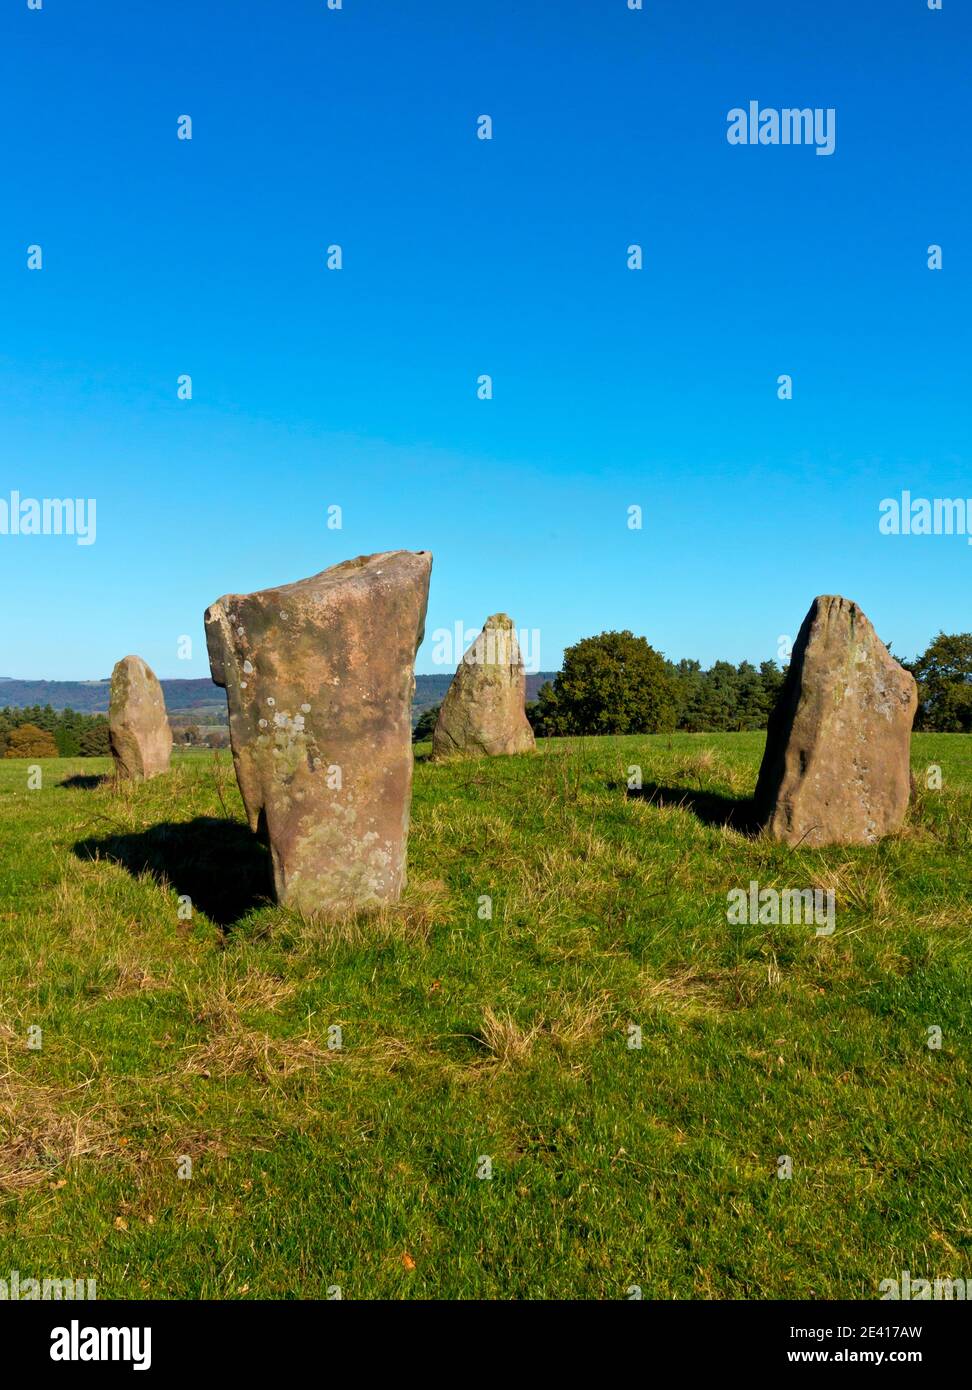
<point>616,683</point>
<point>39,731</point>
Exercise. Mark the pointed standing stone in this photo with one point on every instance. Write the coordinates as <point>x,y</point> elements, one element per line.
<point>138,729</point>
<point>836,766</point>
<point>319,677</point>
<point>484,708</point>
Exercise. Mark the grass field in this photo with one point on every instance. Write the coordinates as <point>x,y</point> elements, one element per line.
<point>466,1037</point>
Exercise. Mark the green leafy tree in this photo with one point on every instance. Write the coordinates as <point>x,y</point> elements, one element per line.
<point>534,713</point>
<point>748,713</point>
<point>721,702</point>
<point>614,683</point>
<point>772,677</point>
<point>726,696</point>
<point>690,685</point>
<point>426,724</point>
<point>67,732</point>
<point>944,676</point>
<point>93,738</point>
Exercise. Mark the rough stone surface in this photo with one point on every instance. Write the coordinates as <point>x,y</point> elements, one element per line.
<point>484,709</point>
<point>836,765</point>
<point>138,729</point>
<point>319,678</point>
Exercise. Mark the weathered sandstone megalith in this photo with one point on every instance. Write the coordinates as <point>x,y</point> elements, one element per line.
<point>484,708</point>
<point>319,677</point>
<point>836,765</point>
<point>138,729</point>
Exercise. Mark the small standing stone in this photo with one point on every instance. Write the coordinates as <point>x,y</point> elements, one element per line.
<point>319,678</point>
<point>484,708</point>
<point>836,768</point>
<point>138,729</point>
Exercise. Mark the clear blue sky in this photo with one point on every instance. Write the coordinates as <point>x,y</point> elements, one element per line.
<point>461,257</point>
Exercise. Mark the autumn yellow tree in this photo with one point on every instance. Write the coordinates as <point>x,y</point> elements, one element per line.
<point>28,741</point>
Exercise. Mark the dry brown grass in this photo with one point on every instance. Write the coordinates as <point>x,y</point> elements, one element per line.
<point>424,905</point>
<point>253,991</point>
<point>578,1023</point>
<point>858,885</point>
<point>41,1130</point>
<point>508,1043</point>
<point>233,1047</point>
<point>134,978</point>
<point>696,765</point>
<point>237,1050</point>
<point>692,992</point>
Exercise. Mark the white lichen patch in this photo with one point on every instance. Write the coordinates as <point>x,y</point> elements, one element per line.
<point>286,740</point>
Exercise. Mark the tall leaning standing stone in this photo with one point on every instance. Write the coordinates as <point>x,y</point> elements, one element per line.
<point>836,766</point>
<point>484,708</point>
<point>319,677</point>
<point>138,728</point>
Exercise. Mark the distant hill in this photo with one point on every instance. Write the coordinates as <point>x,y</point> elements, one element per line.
<point>91,697</point>
<point>198,698</point>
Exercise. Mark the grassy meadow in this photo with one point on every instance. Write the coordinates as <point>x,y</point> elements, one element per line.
<point>468,1037</point>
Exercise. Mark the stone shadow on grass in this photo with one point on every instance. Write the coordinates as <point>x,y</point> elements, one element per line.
<point>86,781</point>
<point>711,808</point>
<point>220,864</point>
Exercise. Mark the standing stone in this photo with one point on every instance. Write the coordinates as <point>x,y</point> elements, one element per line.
<point>484,709</point>
<point>836,766</point>
<point>319,678</point>
<point>138,730</point>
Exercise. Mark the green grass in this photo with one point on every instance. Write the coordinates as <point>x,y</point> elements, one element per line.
<point>466,1037</point>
